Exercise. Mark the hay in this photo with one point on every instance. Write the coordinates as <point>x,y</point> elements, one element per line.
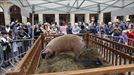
<point>89,54</point>
<point>66,62</point>
<point>62,62</point>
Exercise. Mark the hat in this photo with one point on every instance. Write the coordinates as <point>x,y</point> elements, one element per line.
<point>28,23</point>
<point>76,24</point>
<point>109,23</point>
<point>127,19</point>
<point>46,23</point>
<point>125,31</point>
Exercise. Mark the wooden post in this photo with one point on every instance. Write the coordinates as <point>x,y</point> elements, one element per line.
<point>87,40</point>
<point>13,73</point>
<point>43,40</point>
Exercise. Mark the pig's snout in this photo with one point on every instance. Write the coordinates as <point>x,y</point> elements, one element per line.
<point>43,55</point>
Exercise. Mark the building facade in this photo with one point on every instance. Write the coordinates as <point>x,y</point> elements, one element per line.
<point>10,12</point>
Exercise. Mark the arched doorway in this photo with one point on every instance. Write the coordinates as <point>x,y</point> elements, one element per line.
<point>36,18</point>
<point>120,18</point>
<point>131,17</point>
<point>15,13</point>
<point>107,17</point>
<point>79,17</point>
<point>64,19</point>
<point>50,18</point>
<point>2,19</point>
<point>95,16</point>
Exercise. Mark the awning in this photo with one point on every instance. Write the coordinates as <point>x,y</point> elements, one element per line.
<point>74,6</point>
<point>123,12</point>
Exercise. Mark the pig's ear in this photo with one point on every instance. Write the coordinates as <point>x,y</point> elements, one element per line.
<point>46,51</point>
<point>43,50</point>
<point>45,54</point>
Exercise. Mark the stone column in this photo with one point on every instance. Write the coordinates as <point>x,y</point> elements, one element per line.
<point>114,19</point>
<point>6,7</point>
<point>126,18</point>
<point>40,18</point>
<point>100,18</point>
<point>72,18</point>
<point>24,19</point>
<point>57,18</point>
<point>87,18</point>
<point>7,18</point>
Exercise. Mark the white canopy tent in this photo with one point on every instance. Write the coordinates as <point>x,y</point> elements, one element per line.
<point>123,12</point>
<point>116,7</point>
<point>72,6</point>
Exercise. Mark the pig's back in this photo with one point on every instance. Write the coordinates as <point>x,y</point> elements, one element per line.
<point>65,42</point>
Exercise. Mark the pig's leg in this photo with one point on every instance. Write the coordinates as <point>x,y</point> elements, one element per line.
<point>77,53</point>
<point>78,50</point>
<point>56,53</point>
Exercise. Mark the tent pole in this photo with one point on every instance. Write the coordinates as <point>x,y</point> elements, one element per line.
<point>33,12</point>
<point>99,13</point>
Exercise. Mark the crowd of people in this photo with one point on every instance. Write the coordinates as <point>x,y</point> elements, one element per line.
<point>9,34</point>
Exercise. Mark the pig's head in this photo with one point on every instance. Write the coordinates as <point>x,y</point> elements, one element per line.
<point>46,53</point>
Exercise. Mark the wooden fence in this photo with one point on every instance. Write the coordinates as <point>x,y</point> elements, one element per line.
<point>114,53</point>
<point>30,61</point>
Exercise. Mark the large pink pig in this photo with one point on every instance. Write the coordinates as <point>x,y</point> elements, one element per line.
<point>64,43</point>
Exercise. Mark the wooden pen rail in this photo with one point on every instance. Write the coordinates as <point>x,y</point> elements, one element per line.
<point>114,53</point>
<point>30,61</point>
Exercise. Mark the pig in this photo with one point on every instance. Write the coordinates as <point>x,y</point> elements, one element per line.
<point>64,43</point>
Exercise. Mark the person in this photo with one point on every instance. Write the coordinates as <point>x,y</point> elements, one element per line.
<point>7,30</point>
<point>108,28</point>
<point>116,31</point>
<point>6,47</point>
<point>124,38</point>
<point>63,29</point>
<point>93,28</point>
<point>101,29</point>
<point>123,25</point>
<point>83,30</point>
<point>37,31</point>
<point>1,53</point>
<point>29,27</point>
<point>22,34</point>
<point>76,29</point>
<point>53,29</point>
<point>131,36</point>
<point>23,45</point>
<point>69,29</point>
<point>46,28</point>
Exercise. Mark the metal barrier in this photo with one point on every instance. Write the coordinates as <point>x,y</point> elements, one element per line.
<point>18,49</point>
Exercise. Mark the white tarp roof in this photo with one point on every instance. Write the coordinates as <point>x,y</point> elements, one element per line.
<point>73,6</point>
<point>124,11</point>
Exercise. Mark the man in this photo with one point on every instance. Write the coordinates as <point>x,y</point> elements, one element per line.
<point>69,29</point>
<point>6,47</point>
<point>76,29</point>
<point>83,30</point>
